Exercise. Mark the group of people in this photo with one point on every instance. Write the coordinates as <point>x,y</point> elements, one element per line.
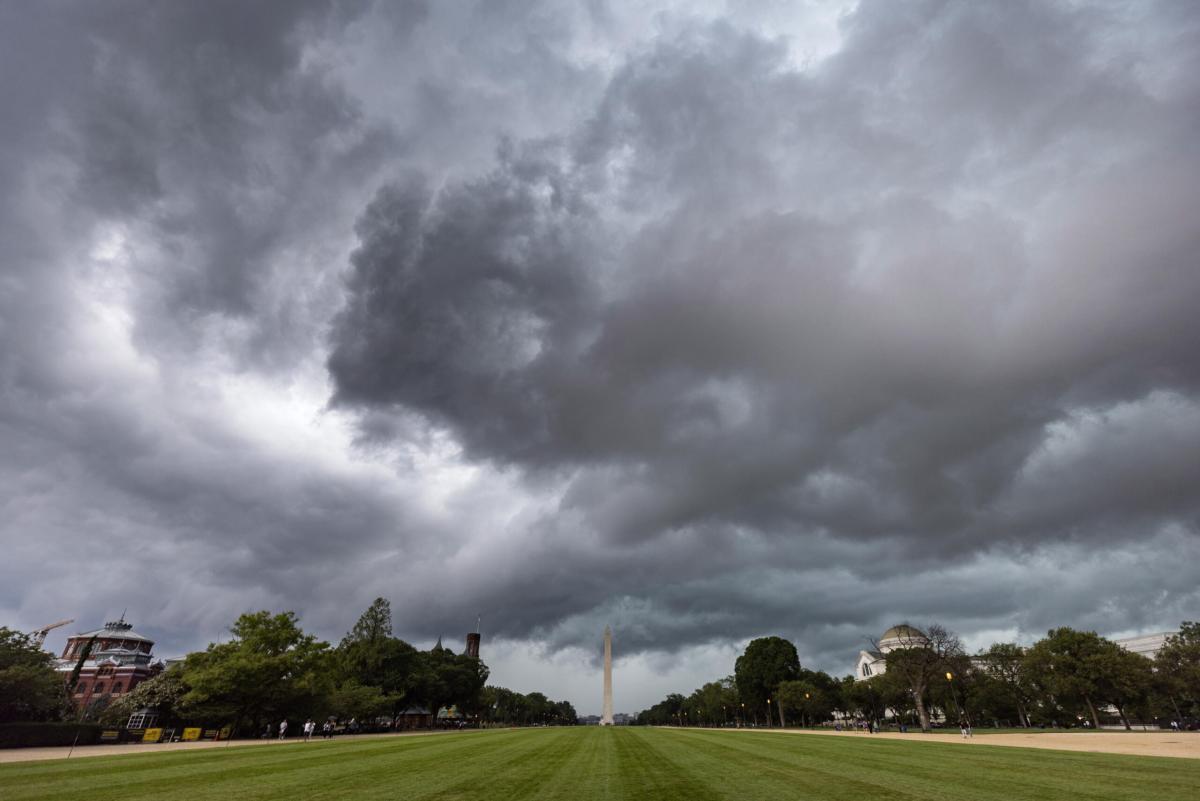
<point>866,726</point>
<point>309,729</point>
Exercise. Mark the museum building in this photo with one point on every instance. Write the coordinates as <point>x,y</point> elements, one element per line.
<point>874,662</point>
<point>118,661</point>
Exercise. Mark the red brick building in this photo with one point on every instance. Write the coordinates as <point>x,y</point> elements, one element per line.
<point>120,659</point>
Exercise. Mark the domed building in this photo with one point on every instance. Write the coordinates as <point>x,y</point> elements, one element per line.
<point>119,660</point>
<point>874,662</point>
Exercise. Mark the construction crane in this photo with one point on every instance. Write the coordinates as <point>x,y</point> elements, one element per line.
<point>39,635</point>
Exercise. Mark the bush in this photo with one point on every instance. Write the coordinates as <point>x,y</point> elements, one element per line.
<point>27,735</point>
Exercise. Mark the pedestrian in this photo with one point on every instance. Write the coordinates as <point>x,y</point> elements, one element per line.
<point>353,725</point>
<point>327,729</point>
<point>266,735</point>
<point>962,727</point>
<point>309,728</point>
<point>282,729</point>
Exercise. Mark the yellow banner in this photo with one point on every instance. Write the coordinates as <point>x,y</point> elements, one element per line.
<point>152,736</point>
<point>191,734</point>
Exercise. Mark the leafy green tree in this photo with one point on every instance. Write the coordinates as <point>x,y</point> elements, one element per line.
<point>374,625</point>
<point>162,693</point>
<point>364,650</point>
<point>812,697</point>
<point>564,713</point>
<point>920,661</point>
<point>766,663</point>
<point>713,704</point>
<point>1005,663</point>
<point>798,698</point>
<point>369,656</point>
<point>443,678</point>
<point>361,702</point>
<point>30,688</point>
<point>1178,665</point>
<point>869,698</point>
<point>1127,679</point>
<point>665,713</point>
<point>271,670</point>
<point>1072,667</point>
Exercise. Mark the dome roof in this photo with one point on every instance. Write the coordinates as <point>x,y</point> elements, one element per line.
<point>903,632</point>
<point>117,630</point>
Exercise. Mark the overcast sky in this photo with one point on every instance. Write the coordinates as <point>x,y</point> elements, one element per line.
<point>704,320</point>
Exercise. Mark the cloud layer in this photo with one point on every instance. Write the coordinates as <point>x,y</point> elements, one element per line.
<point>707,323</point>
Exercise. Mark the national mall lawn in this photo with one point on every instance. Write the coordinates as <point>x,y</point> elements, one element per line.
<point>612,763</point>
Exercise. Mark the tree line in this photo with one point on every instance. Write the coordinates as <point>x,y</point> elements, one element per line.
<point>272,670</point>
<point>1064,679</point>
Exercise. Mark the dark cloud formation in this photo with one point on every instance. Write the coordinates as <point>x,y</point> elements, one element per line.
<point>705,323</point>
<point>910,296</point>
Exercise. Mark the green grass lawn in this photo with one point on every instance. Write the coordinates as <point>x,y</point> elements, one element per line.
<point>594,763</point>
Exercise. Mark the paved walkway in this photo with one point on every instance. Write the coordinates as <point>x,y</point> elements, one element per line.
<point>1161,743</point>
<point>83,751</point>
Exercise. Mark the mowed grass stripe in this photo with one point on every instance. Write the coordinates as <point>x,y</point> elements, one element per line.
<point>608,764</point>
<point>848,768</point>
<point>267,772</point>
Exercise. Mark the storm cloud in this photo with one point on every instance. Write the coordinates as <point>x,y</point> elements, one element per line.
<point>704,322</point>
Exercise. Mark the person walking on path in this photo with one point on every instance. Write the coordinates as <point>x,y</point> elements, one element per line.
<point>309,728</point>
<point>327,729</point>
<point>282,729</point>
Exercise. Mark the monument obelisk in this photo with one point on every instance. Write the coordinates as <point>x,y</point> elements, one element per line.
<point>606,716</point>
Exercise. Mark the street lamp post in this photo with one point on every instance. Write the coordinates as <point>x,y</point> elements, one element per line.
<point>962,713</point>
<point>768,713</point>
<point>743,725</point>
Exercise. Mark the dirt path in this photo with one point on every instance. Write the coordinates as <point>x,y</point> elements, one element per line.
<point>1165,743</point>
<point>60,752</point>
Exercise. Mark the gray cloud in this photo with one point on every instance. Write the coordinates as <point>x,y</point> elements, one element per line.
<point>694,321</point>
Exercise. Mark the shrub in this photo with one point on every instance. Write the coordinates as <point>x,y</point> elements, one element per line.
<point>27,735</point>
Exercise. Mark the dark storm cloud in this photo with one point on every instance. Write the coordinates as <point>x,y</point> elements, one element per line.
<point>910,297</point>
<point>682,320</point>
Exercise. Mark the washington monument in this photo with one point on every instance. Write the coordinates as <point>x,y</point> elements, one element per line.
<point>606,716</point>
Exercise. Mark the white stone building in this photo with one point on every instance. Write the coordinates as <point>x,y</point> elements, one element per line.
<point>874,662</point>
<point>1148,645</point>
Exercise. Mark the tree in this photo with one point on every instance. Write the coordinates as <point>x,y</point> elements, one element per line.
<point>1178,665</point>
<point>868,698</point>
<point>766,663</point>
<point>813,696</point>
<point>30,688</point>
<point>354,700</point>
<point>920,659</point>
<point>1072,667</point>
<point>369,656</point>
<point>374,625</point>
<point>443,678</point>
<point>162,693</point>
<point>1005,662</point>
<point>270,670</point>
<point>364,650</point>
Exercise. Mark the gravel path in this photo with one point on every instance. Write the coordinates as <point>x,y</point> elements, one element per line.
<point>1162,743</point>
<point>60,752</point>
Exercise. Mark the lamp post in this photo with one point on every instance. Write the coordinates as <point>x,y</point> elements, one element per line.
<point>768,713</point>
<point>804,714</point>
<point>962,713</point>
<point>743,715</point>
